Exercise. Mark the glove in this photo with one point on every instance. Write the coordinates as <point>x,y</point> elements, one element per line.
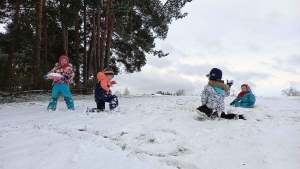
<point>113,82</point>
<point>232,103</point>
<point>230,83</point>
<point>45,77</point>
<point>64,78</point>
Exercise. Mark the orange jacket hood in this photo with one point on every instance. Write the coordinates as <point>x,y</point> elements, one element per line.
<point>104,81</point>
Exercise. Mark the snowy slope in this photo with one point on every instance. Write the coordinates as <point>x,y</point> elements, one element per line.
<point>149,132</point>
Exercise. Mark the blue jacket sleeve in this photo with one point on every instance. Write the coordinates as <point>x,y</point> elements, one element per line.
<point>236,100</point>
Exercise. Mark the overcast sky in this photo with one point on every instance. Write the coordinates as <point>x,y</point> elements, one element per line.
<point>252,41</point>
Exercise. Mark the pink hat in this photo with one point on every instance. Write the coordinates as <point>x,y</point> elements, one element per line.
<point>64,57</point>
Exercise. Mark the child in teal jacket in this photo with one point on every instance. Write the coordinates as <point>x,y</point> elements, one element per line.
<point>245,98</point>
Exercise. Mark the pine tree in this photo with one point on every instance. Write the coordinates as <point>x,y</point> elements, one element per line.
<point>93,33</point>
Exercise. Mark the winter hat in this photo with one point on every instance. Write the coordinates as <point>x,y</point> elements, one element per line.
<point>246,85</point>
<point>108,71</point>
<point>215,74</point>
<point>63,57</point>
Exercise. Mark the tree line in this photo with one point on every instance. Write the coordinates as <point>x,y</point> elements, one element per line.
<point>94,34</point>
<point>290,92</point>
<point>179,92</point>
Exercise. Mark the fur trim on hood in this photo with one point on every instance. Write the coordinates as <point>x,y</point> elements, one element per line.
<point>218,84</point>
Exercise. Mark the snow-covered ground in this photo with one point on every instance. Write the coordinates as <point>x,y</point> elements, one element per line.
<point>149,133</point>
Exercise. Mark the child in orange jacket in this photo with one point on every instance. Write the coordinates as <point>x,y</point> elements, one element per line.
<point>102,91</point>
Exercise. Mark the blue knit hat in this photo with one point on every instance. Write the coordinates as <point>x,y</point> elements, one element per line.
<point>108,71</point>
<point>215,74</point>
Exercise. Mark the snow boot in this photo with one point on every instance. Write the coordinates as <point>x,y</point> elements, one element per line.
<point>113,103</point>
<point>232,116</point>
<point>214,115</point>
<point>242,117</point>
<point>95,110</point>
<point>52,104</point>
<point>204,109</point>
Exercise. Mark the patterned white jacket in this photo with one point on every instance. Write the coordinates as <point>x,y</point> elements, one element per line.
<point>214,94</point>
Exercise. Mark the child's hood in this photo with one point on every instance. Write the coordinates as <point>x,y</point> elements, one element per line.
<point>249,91</point>
<point>243,93</point>
<point>102,77</point>
<point>64,57</point>
<point>217,84</point>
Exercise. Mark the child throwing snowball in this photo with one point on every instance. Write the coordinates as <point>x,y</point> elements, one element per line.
<point>213,95</point>
<point>61,74</point>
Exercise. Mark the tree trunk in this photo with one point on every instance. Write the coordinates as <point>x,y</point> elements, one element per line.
<point>64,38</point>
<point>98,57</point>
<point>92,49</point>
<point>63,29</point>
<point>104,33</point>
<point>94,57</point>
<point>90,55</point>
<point>36,55</point>
<point>109,36</point>
<point>67,39</point>
<point>45,36</point>
<point>89,60</point>
<point>9,71</point>
<point>85,75</point>
<point>77,71</point>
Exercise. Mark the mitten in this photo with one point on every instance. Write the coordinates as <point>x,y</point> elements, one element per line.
<point>230,83</point>
<point>45,77</point>
<point>113,82</point>
<point>64,78</point>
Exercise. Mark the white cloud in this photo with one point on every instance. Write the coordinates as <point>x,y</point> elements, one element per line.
<point>151,80</point>
<point>252,41</point>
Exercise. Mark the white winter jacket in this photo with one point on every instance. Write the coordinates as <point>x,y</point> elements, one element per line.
<point>214,94</point>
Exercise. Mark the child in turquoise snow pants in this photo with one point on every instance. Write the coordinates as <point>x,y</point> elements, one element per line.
<point>61,86</point>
